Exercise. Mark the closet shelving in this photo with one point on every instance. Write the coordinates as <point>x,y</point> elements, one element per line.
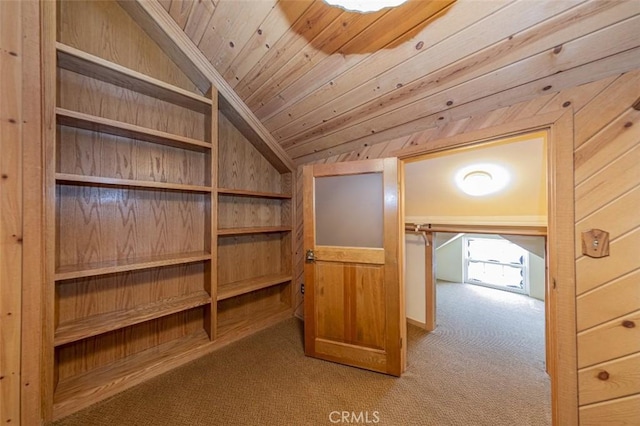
<point>172,229</point>
<point>83,336</point>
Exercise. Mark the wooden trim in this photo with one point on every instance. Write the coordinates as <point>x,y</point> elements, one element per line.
<point>430,281</point>
<point>364,166</point>
<point>254,230</point>
<point>49,83</point>
<point>127,265</point>
<point>309,242</point>
<point>80,120</point>
<point>11,210</point>
<point>72,179</point>
<point>257,194</point>
<point>237,288</point>
<point>417,323</point>
<point>561,294</point>
<point>475,138</point>
<point>155,20</point>
<point>211,271</point>
<point>73,331</point>
<point>33,262</point>
<point>84,63</point>
<point>480,229</point>
<point>351,254</point>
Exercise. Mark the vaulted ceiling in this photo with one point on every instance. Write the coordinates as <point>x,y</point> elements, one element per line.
<point>325,81</point>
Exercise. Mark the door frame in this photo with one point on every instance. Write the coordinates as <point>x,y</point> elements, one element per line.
<point>561,344</point>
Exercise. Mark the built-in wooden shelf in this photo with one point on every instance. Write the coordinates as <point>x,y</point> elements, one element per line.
<point>76,392</point>
<point>81,120</point>
<point>97,324</point>
<point>236,288</point>
<point>253,230</point>
<point>127,183</point>
<point>89,65</point>
<point>115,266</point>
<point>240,323</point>
<point>257,194</point>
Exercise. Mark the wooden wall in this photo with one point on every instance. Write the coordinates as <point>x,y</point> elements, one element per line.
<point>20,233</point>
<point>607,196</point>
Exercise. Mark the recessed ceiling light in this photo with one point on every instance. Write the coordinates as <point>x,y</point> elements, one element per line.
<point>364,6</point>
<point>482,179</point>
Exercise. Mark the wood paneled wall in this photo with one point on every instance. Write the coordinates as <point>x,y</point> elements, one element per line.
<point>20,228</point>
<point>607,195</point>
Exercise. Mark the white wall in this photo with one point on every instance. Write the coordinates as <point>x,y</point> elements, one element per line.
<point>449,265</point>
<point>536,276</point>
<point>414,277</point>
<point>449,261</point>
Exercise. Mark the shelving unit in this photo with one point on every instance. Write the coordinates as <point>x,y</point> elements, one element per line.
<point>172,222</point>
<point>254,235</point>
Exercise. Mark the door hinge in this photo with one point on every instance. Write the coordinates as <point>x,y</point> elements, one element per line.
<point>401,343</point>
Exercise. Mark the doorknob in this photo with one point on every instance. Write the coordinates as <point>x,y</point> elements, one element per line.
<point>310,256</point>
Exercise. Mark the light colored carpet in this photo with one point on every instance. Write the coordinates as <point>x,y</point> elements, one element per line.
<point>484,365</point>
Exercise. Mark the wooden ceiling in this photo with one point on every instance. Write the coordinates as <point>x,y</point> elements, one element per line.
<point>324,81</point>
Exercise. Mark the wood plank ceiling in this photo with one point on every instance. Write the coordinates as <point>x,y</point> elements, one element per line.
<point>325,81</point>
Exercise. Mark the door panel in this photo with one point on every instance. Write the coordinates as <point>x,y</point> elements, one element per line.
<point>354,310</point>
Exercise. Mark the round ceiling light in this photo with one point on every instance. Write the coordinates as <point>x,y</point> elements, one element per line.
<point>364,6</point>
<point>481,179</point>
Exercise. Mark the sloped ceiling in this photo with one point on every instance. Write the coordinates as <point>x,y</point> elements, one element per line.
<point>324,81</point>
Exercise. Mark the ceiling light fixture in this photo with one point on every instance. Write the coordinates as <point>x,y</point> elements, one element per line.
<point>364,6</point>
<point>482,179</point>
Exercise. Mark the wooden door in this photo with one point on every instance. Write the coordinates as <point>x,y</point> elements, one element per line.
<point>354,281</point>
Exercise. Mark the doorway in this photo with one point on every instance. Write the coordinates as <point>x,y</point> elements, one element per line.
<point>560,289</point>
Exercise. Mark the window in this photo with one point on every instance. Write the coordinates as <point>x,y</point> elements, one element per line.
<point>496,262</point>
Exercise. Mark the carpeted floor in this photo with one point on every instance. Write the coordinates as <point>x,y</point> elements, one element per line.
<point>484,365</point>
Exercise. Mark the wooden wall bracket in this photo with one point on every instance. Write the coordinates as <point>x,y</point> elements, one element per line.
<point>595,243</point>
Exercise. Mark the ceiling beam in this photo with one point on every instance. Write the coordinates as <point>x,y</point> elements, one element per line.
<point>159,25</point>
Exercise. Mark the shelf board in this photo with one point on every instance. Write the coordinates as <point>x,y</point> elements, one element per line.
<point>127,183</point>
<point>250,320</point>
<point>76,392</point>
<point>97,324</point>
<point>257,194</point>
<point>81,120</point>
<point>84,63</point>
<point>253,230</point>
<point>236,288</point>
<point>115,266</point>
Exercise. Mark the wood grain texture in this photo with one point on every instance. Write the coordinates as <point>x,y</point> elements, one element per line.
<point>609,380</point>
<point>99,29</point>
<point>244,166</point>
<point>610,340</point>
<point>612,300</point>
<point>93,325</point>
<point>85,389</point>
<point>33,235</point>
<point>592,106</point>
<point>238,288</point>
<point>106,100</point>
<point>83,63</point>
<point>134,218</point>
<point>105,224</point>
<point>89,154</point>
<point>154,18</point>
<point>117,128</point>
<point>618,412</point>
<point>11,211</point>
